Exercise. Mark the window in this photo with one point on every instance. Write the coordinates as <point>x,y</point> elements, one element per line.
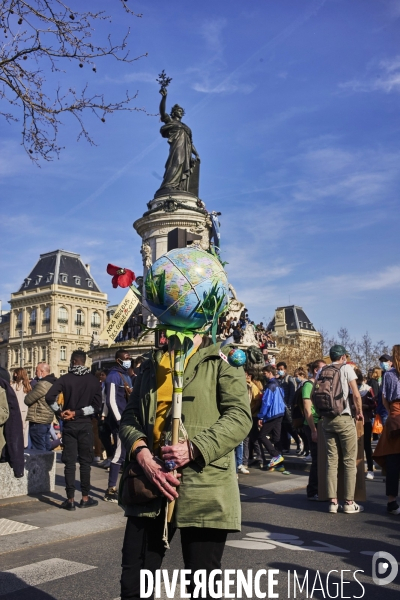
<point>95,320</point>
<point>64,278</point>
<point>32,320</point>
<point>300,324</point>
<point>80,317</point>
<point>46,315</point>
<point>19,320</point>
<point>16,355</point>
<point>44,357</point>
<point>63,353</point>
<point>26,282</point>
<point>62,315</point>
<point>89,283</point>
<point>79,332</point>
<point>29,352</point>
<point>77,280</point>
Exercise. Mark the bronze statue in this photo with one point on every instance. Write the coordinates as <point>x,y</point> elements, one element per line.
<point>180,164</point>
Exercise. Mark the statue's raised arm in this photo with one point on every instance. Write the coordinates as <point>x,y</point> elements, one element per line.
<point>163,103</point>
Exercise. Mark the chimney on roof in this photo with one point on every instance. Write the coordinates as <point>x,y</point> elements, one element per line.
<point>87,268</point>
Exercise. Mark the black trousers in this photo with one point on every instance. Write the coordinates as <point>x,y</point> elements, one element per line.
<point>392,474</point>
<point>368,444</point>
<point>143,548</point>
<point>286,430</point>
<point>273,430</point>
<point>312,487</point>
<point>78,441</point>
<point>105,436</point>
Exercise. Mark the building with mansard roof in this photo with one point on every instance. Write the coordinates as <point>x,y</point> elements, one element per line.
<point>58,308</point>
<point>292,320</point>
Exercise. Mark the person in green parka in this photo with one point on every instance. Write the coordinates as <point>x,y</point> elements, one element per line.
<point>216,417</point>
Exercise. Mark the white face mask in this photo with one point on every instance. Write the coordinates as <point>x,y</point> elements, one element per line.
<point>126,364</point>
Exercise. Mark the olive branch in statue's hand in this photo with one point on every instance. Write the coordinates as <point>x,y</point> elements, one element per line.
<point>164,82</point>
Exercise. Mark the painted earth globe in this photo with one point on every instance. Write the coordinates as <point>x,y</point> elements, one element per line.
<point>237,358</point>
<point>186,288</point>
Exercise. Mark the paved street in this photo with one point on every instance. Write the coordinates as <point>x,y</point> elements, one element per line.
<point>76,556</point>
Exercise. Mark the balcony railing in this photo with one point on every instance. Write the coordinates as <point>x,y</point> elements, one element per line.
<point>18,325</point>
<point>63,321</point>
<point>79,323</point>
<point>46,321</point>
<point>32,323</point>
<point>96,325</point>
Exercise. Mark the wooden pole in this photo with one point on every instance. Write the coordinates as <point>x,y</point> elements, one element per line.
<point>177,377</point>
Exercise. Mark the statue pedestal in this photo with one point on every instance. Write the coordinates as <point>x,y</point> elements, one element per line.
<point>178,209</point>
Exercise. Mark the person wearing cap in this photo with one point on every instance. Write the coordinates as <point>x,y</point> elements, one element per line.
<point>340,431</point>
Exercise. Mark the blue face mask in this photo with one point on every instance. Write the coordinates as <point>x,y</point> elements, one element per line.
<point>126,364</point>
<point>298,380</point>
<point>281,373</point>
<point>384,366</point>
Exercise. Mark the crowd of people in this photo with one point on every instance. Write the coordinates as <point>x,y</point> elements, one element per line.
<point>85,422</point>
<point>289,407</point>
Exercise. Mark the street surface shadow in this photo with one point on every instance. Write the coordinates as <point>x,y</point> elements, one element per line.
<point>14,588</point>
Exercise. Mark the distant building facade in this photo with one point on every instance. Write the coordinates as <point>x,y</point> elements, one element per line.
<point>297,339</point>
<point>58,308</point>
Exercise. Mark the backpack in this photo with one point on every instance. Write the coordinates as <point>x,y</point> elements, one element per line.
<point>298,408</point>
<point>327,393</point>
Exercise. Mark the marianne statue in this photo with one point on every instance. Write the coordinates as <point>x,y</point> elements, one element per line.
<point>180,165</point>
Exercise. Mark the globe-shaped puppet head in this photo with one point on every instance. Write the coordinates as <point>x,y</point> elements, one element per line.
<point>186,288</point>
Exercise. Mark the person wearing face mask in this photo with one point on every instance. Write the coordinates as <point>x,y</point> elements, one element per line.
<point>287,383</point>
<point>118,390</point>
<point>82,401</point>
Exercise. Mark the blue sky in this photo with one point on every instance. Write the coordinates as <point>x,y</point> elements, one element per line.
<point>294,108</point>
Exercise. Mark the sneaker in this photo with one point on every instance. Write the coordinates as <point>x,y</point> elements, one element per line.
<point>393,508</point>
<point>97,459</point>
<point>333,507</point>
<point>243,470</point>
<point>353,508</point>
<point>276,460</point>
<point>313,498</point>
<point>370,475</point>
<point>111,495</point>
<point>67,505</point>
<point>88,503</point>
<point>261,465</point>
<point>300,448</point>
<point>105,464</point>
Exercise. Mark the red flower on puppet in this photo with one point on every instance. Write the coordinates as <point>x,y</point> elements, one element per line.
<point>121,277</point>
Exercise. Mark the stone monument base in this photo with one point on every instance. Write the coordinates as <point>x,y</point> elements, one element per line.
<point>40,475</point>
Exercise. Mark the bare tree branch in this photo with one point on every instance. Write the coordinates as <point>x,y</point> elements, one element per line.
<point>38,36</point>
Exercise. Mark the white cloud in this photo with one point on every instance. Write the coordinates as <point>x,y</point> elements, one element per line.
<point>211,31</point>
<point>385,78</point>
<point>131,77</point>
<point>224,87</point>
<point>332,173</point>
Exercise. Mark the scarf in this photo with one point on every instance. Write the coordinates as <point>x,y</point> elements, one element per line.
<point>79,370</point>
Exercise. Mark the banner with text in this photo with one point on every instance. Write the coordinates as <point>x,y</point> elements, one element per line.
<point>120,317</point>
